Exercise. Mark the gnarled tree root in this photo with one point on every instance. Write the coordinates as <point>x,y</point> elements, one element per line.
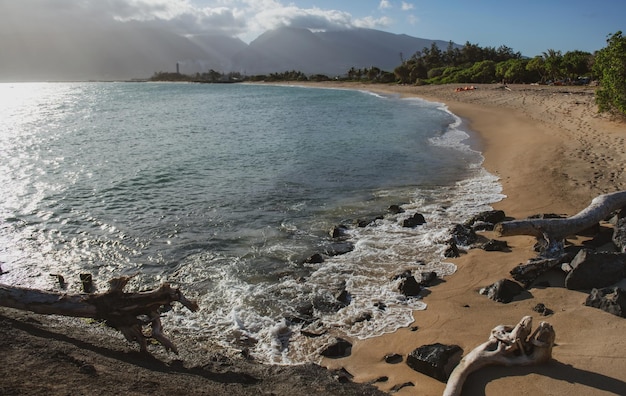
<point>126,312</point>
<point>508,346</point>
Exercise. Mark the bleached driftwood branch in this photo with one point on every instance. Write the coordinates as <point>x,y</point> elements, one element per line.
<point>557,229</point>
<point>508,346</point>
<point>126,312</point>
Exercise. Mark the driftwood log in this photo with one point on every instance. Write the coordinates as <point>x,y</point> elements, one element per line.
<point>557,229</point>
<point>126,312</point>
<point>508,346</point>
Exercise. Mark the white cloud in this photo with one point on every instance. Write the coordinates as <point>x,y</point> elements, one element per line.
<point>143,10</point>
<point>312,18</point>
<point>407,6</point>
<point>242,18</point>
<point>384,4</point>
<point>371,22</point>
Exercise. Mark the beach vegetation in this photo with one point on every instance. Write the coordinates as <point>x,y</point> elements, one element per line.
<point>211,76</point>
<point>470,63</point>
<point>515,71</point>
<point>480,72</point>
<point>537,65</point>
<point>610,68</point>
<point>475,64</point>
<point>577,63</point>
<point>552,63</point>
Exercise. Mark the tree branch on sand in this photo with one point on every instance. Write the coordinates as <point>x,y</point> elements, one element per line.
<point>554,231</point>
<point>508,346</point>
<point>126,312</point>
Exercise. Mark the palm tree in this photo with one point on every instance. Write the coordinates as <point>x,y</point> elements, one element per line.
<point>553,61</point>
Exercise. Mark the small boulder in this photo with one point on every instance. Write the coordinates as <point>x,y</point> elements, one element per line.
<point>361,223</point>
<point>395,209</point>
<point>452,251</point>
<point>338,231</point>
<point>463,235</point>
<point>344,297</point>
<point>502,291</point>
<point>408,285</point>
<point>315,258</point>
<point>428,278</point>
<point>611,300</point>
<point>339,248</point>
<point>486,219</point>
<point>543,310</point>
<point>435,360</point>
<point>591,269</point>
<point>414,221</point>
<point>393,358</point>
<point>341,348</point>
<point>494,245</point>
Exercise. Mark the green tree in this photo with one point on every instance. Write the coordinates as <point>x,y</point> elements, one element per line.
<point>418,71</point>
<point>512,71</point>
<point>403,73</point>
<point>471,53</point>
<point>577,63</point>
<point>432,57</point>
<point>553,60</point>
<point>538,65</point>
<point>610,67</point>
<point>452,55</point>
<point>373,73</point>
<point>481,72</point>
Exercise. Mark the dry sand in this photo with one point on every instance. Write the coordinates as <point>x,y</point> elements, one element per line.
<point>553,153</point>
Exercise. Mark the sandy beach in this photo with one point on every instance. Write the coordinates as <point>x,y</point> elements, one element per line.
<point>552,152</point>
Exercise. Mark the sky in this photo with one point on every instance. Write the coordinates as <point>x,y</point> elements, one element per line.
<point>530,26</point>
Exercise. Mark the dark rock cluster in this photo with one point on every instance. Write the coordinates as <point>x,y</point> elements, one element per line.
<point>597,266</point>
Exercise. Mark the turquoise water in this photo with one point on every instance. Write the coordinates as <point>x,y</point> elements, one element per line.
<point>224,190</point>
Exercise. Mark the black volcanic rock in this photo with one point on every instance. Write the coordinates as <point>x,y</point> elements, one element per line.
<point>595,270</point>
<point>435,360</point>
<point>611,300</point>
<point>341,348</point>
<point>502,291</point>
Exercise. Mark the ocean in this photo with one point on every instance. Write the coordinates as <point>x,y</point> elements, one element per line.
<point>224,190</point>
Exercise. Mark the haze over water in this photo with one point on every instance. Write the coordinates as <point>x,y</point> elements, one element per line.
<point>224,190</point>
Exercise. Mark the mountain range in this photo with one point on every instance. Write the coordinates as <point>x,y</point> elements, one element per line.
<point>131,50</point>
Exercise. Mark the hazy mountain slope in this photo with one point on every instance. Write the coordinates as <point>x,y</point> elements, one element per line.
<point>79,52</point>
<point>96,50</point>
<point>219,50</point>
<point>367,47</point>
<point>332,53</point>
<point>288,49</point>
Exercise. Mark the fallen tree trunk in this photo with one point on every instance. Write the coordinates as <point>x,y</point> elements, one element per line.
<point>558,229</point>
<point>126,312</point>
<point>508,346</point>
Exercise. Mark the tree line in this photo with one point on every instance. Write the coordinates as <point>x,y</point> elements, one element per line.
<point>474,64</point>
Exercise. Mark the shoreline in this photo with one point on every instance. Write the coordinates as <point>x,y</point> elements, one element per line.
<point>553,154</point>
